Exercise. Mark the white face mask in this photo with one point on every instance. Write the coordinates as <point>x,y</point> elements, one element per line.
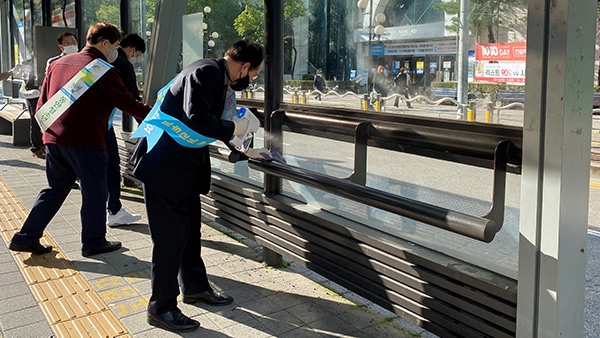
<point>112,56</point>
<point>136,61</point>
<point>70,49</point>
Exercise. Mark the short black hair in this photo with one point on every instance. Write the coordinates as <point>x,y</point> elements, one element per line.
<point>247,51</point>
<point>64,34</point>
<point>135,41</point>
<point>103,31</point>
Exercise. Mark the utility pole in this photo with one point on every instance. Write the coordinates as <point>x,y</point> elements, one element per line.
<point>462,61</point>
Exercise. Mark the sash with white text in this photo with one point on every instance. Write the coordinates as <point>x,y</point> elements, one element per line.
<point>157,123</point>
<point>70,92</point>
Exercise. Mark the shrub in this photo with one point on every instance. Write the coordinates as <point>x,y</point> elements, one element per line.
<point>482,87</point>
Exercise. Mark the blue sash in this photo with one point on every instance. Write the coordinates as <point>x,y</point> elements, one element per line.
<point>157,123</point>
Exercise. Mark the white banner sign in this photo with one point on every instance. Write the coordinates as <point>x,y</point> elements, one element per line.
<point>500,72</point>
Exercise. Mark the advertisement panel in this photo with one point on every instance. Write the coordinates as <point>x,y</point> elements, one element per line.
<point>420,67</point>
<point>509,51</point>
<point>500,72</point>
<point>501,62</point>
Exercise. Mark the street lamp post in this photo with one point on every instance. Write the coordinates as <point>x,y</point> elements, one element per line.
<point>213,36</point>
<point>362,5</point>
<point>378,30</point>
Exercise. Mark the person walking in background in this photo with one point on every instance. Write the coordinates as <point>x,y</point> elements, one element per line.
<point>319,84</point>
<point>401,82</point>
<point>131,46</point>
<point>174,176</point>
<point>380,84</point>
<point>380,81</point>
<point>75,121</point>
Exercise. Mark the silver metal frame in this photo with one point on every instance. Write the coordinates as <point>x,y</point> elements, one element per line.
<point>162,61</point>
<point>556,162</point>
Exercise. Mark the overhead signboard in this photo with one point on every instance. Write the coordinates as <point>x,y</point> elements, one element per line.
<point>509,51</point>
<point>421,48</point>
<point>377,49</point>
<point>501,62</point>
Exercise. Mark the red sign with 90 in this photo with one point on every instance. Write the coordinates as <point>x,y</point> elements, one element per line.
<point>509,51</point>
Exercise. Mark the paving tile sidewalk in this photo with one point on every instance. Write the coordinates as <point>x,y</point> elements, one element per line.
<point>269,302</point>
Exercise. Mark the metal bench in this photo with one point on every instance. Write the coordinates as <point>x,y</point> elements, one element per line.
<point>437,93</point>
<point>508,96</point>
<point>15,121</point>
<point>16,104</point>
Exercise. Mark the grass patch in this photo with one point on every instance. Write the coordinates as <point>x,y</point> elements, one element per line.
<point>284,264</point>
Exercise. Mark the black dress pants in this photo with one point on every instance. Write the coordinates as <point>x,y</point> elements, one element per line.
<point>35,132</point>
<point>63,166</point>
<point>176,262</point>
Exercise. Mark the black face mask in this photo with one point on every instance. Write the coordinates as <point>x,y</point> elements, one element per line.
<point>241,83</point>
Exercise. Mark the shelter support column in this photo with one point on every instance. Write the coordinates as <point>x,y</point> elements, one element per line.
<point>556,167</point>
<point>273,96</point>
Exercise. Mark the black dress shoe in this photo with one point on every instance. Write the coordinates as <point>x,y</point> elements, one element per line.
<point>211,297</point>
<point>104,248</point>
<point>36,249</point>
<point>173,321</point>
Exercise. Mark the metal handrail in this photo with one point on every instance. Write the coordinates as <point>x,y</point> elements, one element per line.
<point>451,140</point>
<point>408,132</point>
<point>471,226</point>
<point>511,105</point>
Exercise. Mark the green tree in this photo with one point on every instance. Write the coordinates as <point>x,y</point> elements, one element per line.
<point>250,23</point>
<point>220,19</point>
<point>110,13</point>
<point>101,10</point>
<point>484,13</point>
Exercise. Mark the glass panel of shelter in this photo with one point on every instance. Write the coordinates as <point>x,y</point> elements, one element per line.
<point>340,39</point>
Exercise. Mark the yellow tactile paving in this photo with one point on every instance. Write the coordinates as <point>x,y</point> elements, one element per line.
<point>72,307</point>
<point>60,288</point>
<point>68,301</point>
<point>6,235</point>
<point>99,325</point>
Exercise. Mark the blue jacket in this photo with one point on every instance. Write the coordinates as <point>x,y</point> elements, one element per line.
<point>196,98</point>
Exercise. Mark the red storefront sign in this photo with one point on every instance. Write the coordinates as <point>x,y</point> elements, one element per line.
<point>509,51</point>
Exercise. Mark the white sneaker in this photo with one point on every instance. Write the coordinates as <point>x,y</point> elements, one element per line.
<point>120,218</point>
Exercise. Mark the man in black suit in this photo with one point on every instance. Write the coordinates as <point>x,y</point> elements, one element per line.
<point>174,176</point>
<point>131,47</point>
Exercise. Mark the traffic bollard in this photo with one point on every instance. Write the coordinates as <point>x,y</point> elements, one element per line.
<point>378,102</point>
<point>365,102</point>
<point>471,113</point>
<point>295,98</point>
<point>303,98</point>
<point>489,112</point>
